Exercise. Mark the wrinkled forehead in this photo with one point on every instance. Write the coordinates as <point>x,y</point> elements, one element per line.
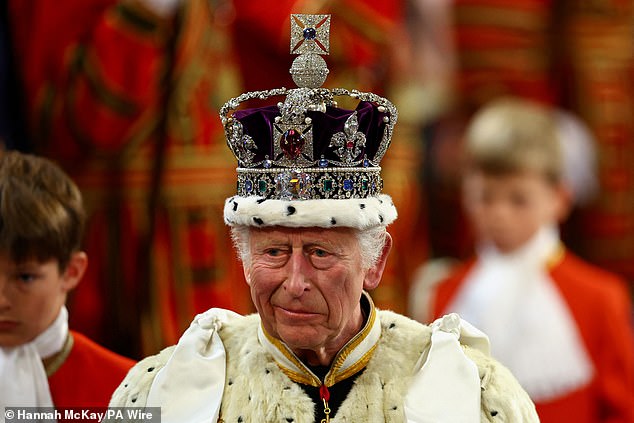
<point>345,237</point>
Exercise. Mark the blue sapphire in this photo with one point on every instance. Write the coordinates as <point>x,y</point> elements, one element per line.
<point>248,185</point>
<point>267,164</point>
<point>323,163</point>
<point>347,185</point>
<point>366,162</point>
<point>310,33</point>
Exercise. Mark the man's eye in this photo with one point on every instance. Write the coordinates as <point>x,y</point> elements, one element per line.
<point>320,253</point>
<point>273,252</point>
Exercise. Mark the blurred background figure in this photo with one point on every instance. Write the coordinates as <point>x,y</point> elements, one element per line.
<point>124,95</point>
<point>561,325</point>
<point>575,55</point>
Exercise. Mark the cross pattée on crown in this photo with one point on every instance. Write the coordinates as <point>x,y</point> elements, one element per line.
<point>310,37</point>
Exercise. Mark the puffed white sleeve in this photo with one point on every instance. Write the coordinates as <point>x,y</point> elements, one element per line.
<point>447,375</point>
<point>187,380</point>
<point>465,383</point>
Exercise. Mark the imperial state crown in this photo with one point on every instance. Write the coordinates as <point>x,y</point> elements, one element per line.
<point>305,161</point>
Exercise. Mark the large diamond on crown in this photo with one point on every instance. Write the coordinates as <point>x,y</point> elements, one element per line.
<point>293,185</point>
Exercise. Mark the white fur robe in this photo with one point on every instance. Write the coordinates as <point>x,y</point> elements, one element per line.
<point>256,390</point>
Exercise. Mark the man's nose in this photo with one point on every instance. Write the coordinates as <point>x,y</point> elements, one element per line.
<point>297,279</point>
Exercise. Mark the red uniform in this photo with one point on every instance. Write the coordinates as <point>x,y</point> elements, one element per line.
<point>599,304</point>
<point>88,376</point>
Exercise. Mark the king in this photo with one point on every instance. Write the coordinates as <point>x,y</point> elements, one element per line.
<point>309,221</point>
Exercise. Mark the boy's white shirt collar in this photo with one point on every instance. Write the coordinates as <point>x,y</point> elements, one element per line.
<point>512,298</point>
<point>23,380</point>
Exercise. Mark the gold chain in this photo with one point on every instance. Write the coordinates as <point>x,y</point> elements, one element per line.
<point>326,412</point>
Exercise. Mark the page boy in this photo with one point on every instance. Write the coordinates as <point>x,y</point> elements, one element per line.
<point>561,325</point>
<point>42,362</point>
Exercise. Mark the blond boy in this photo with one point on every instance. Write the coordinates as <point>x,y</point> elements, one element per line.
<point>561,325</point>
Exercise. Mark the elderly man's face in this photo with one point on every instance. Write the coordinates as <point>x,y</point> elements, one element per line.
<point>306,285</point>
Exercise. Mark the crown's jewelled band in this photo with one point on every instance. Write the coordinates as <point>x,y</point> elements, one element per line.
<point>310,183</point>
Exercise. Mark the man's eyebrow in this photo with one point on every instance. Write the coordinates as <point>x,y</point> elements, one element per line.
<point>326,244</point>
<point>271,243</point>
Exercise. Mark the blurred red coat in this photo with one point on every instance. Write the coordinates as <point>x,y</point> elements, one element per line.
<point>600,305</point>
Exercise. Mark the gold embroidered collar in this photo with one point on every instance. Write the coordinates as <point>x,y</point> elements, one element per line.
<point>353,357</point>
<point>54,362</point>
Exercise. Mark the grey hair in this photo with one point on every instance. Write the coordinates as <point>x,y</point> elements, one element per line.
<point>240,237</point>
<point>371,242</point>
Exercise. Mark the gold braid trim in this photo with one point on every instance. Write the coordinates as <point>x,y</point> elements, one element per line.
<point>334,374</point>
<point>54,362</point>
<point>556,257</point>
<point>307,378</point>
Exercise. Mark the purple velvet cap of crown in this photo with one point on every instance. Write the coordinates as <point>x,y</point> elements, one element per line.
<point>319,168</point>
<point>259,123</point>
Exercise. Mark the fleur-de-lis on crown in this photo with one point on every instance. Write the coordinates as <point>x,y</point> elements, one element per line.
<point>350,141</point>
<point>242,143</point>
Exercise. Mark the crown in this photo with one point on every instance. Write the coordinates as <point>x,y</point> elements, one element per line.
<point>305,147</point>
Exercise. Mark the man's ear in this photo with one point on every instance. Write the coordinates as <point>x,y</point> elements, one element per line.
<point>247,273</point>
<point>74,271</point>
<point>374,274</point>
